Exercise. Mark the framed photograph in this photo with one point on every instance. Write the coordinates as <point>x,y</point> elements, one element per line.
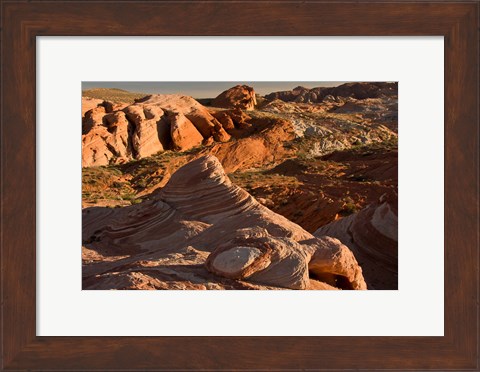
<point>184,192</point>
<point>253,185</point>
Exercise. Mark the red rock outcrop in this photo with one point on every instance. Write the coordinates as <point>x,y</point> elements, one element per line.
<point>203,232</point>
<point>239,96</point>
<point>224,119</point>
<point>93,118</point>
<point>233,119</point>
<point>183,132</point>
<point>194,111</point>
<point>257,149</point>
<point>372,235</point>
<point>89,103</point>
<point>147,128</point>
<point>150,129</point>
<point>113,106</point>
<point>106,141</point>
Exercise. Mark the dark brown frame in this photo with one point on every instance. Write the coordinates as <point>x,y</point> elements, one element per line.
<point>22,21</point>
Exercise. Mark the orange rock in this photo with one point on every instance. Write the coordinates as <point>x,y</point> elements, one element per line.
<point>240,96</point>
<point>232,118</point>
<point>89,103</point>
<point>113,106</point>
<point>92,118</point>
<point>208,141</point>
<point>219,134</point>
<point>193,110</point>
<point>238,116</point>
<point>108,142</point>
<point>224,119</point>
<point>183,132</point>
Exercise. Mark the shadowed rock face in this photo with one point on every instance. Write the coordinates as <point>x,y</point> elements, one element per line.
<point>203,232</point>
<point>323,94</point>
<point>372,235</point>
<point>240,96</point>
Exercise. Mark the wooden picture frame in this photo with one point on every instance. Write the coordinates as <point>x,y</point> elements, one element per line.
<point>23,21</point>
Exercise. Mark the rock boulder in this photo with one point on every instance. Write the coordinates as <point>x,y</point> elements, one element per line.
<point>240,96</point>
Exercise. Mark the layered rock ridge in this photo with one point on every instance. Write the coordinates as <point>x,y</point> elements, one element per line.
<point>117,134</point>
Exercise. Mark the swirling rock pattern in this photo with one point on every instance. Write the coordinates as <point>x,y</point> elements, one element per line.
<point>203,232</point>
<point>372,235</point>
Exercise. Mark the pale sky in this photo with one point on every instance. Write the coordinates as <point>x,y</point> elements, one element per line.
<point>207,89</point>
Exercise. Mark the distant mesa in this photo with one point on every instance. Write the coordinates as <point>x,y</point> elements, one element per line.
<point>348,90</point>
<point>240,96</point>
<point>112,94</point>
<point>203,232</point>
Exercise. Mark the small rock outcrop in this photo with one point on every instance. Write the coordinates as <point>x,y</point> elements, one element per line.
<point>233,119</point>
<point>107,140</point>
<point>150,129</point>
<point>183,132</point>
<point>372,235</point>
<point>89,103</point>
<point>240,96</point>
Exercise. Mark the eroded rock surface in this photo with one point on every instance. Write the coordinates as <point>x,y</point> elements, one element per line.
<point>372,235</point>
<point>239,96</point>
<point>153,124</point>
<point>356,90</point>
<point>89,103</point>
<point>203,232</point>
<point>183,132</point>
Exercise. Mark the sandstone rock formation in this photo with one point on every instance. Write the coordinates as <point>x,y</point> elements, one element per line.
<point>203,232</point>
<point>240,96</point>
<point>89,103</point>
<point>225,119</point>
<point>194,111</point>
<point>264,146</point>
<point>106,140</point>
<point>372,235</point>
<point>150,130</point>
<point>233,119</point>
<point>183,132</point>
<point>93,118</point>
<point>113,106</point>
<point>93,111</point>
<point>146,128</point>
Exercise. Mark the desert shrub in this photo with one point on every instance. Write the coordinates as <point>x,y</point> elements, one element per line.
<point>349,208</point>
